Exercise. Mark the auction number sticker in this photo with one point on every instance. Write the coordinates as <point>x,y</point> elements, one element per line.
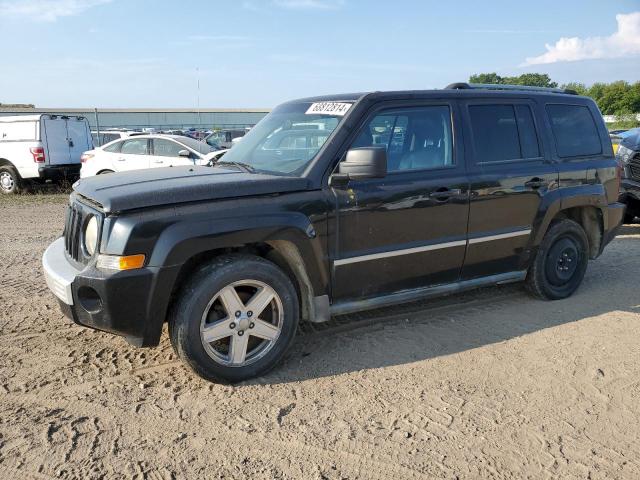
<point>328,108</point>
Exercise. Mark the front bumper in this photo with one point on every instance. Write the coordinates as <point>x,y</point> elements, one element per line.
<point>130,303</point>
<point>629,188</point>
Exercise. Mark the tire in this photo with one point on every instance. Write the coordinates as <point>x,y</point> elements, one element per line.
<point>10,181</point>
<point>629,218</point>
<point>560,263</point>
<point>209,336</point>
<point>104,172</point>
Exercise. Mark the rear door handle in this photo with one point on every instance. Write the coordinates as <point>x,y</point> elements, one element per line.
<point>121,159</point>
<point>445,194</point>
<point>536,183</point>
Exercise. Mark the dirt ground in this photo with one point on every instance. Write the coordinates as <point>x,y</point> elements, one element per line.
<point>490,384</point>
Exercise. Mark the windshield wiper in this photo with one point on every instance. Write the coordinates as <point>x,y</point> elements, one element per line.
<point>245,167</point>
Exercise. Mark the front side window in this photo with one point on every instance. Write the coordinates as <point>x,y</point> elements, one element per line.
<point>137,146</point>
<point>288,138</point>
<point>574,130</point>
<point>415,138</point>
<point>166,148</point>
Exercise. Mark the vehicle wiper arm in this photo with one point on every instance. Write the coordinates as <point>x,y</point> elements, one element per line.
<point>242,166</point>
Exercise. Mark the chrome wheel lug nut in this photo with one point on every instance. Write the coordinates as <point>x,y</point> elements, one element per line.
<point>251,325</point>
<point>241,332</point>
<point>238,313</point>
<point>249,314</point>
<point>232,325</point>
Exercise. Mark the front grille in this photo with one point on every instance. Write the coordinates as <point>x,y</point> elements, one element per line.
<point>634,168</point>
<point>73,230</point>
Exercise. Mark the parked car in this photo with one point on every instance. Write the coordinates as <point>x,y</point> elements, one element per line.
<point>224,138</point>
<point>411,195</point>
<point>108,136</point>
<point>629,155</point>
<point>39,148</point>
<point>618,135</point>
<point>146,151</point>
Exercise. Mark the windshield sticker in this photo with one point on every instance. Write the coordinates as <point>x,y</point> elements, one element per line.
<point>328,108</point>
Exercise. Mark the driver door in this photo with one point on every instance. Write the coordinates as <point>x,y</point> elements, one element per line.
<point>409,229</point>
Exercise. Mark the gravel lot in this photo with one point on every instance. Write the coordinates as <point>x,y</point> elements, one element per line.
<point>489,384</point>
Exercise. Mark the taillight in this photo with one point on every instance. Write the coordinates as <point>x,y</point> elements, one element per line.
<point>86,156</point>
<point>38,154</point>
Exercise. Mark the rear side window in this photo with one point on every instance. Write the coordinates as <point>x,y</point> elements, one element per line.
<point>503,133</point>
<point>113,148</point>
<point>135,147</point>
<point>575,130</point>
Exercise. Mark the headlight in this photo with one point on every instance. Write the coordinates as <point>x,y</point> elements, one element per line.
<point>624,153</point>
<point>91,235</point>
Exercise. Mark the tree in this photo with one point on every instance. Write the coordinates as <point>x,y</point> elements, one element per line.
<point>532,80</point>
<point>528,79</point>
<point>492,78</point>
<point>579,88</point>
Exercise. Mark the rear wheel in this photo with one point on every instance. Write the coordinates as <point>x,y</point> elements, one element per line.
<point>104,172</point>
<point>9,181</point>
<point>560,263</point>
<point>235,318</point>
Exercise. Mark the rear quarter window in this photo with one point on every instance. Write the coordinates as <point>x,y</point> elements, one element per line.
<point>575,130</point>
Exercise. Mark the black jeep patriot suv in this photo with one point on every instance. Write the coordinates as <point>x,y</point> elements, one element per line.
<point>336,204</point>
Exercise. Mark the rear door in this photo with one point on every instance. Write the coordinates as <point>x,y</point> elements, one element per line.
<point>79,138</point>
<point>509,179</point>
<point>55,139</point>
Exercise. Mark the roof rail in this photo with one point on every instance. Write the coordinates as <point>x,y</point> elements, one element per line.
<point>491,86</point>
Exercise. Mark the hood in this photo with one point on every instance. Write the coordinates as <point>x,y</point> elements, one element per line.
<point>632,141</point>
<point>117,192</point>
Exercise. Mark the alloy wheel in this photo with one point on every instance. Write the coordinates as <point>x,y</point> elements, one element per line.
<point>241,323</point>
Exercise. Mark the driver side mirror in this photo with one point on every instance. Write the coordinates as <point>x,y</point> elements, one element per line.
<point>362,163</point>
<point>184,153</point>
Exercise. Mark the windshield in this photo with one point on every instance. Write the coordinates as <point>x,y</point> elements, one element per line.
<point>286,140</point>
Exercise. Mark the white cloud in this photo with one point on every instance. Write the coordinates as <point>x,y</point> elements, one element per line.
<point>625,42</point>
<point>46,10</point>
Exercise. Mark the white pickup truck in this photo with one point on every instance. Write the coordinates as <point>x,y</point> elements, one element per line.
<point>41,147</point>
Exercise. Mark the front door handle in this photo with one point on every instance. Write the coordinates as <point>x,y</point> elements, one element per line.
<point>536,183</point>
<point>121,159</point>
<point>445,194</point>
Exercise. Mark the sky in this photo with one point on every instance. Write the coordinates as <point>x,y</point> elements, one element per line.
<point>258,53</point>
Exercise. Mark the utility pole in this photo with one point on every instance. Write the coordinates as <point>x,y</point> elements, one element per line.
<point>198,100</point>
<point>95,111</point>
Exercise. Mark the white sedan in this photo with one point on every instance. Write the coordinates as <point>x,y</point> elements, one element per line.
<point>147,151</point>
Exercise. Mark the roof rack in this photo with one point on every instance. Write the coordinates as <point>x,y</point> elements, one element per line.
<point>491,86</point>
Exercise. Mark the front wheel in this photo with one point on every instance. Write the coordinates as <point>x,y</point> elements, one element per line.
<point>235,318</point>
<point>561,262</point>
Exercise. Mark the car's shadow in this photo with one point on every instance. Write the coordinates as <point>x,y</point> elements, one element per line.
<point>417,332</point>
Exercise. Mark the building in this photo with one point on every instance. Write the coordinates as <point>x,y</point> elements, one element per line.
<point>159,118</point>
